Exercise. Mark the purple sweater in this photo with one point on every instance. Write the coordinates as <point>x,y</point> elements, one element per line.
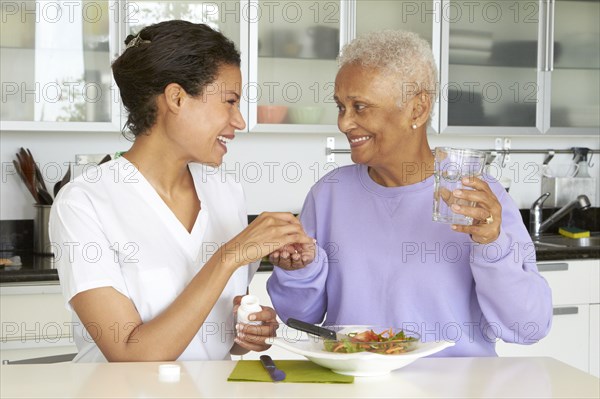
<point>381,260</point>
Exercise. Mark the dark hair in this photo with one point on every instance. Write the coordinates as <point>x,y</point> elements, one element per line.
<point>168,52</point>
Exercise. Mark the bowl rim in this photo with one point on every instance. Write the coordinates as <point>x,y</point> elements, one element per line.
<point>423,349</point>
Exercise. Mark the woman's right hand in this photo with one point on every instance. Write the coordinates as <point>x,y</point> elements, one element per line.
<point>269,232</point>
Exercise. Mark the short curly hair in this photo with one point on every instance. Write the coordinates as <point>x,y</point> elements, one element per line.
<point>401,53</point>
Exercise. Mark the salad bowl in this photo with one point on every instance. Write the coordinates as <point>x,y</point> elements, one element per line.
<point>353,359</point>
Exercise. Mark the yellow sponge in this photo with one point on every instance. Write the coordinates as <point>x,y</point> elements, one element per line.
<point>573,232</point>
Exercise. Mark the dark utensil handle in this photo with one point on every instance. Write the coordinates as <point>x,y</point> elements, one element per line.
<point>312,329</point>
<point>269,365</point>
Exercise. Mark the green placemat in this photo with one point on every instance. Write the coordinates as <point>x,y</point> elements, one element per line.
<point>295,371</point>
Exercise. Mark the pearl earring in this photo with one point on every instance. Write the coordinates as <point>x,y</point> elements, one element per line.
<point>414,126</point>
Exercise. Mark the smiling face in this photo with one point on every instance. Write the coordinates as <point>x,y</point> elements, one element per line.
<point>377,129</point>
<point>206,123</point>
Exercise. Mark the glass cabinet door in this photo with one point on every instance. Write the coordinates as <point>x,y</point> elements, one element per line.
<point>55,65</point>
<point>223,15</point>
<point>413,16</point>
<point>293,50</point>
<point>575,98</point>
<point>490,73</point>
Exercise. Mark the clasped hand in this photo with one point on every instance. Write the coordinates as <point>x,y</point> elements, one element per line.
<point>294,256</point>
<point>270,233</point>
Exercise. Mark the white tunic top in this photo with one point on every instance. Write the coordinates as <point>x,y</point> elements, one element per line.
<point>110,228</point>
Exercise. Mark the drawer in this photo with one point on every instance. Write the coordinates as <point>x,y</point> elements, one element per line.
<point>569,281</point>
<point>33,313</point>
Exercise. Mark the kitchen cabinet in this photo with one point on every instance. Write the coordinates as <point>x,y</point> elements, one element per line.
<point>520,67</point>
<point>510,67</point>
<point>288,56</point>
<point>573,104</point>
<point>575,291</point>
<point>55,66</point>
<point>56,57</point>
<point>595,340</point>
<point>418,17</point>
<point>292,50</point>
<point>505,67</point>
<point>35,322</point>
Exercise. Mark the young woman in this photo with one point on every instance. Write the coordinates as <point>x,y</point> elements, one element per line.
<point>155,245</point>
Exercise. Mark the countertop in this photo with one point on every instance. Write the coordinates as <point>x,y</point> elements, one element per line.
<point>544,253</point>
<point>39,268</point>
<point>485,377</point>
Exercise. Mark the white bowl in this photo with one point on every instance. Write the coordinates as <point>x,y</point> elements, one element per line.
<point>309,115</point>
<point>361,364</point>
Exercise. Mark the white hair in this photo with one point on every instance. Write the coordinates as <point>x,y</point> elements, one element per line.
<point>405,54</point>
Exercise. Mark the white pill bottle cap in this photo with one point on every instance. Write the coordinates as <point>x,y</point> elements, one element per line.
<point>249,304</point>
<point>169,372</point>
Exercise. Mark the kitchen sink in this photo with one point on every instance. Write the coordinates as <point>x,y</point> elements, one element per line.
<point>559,241</point>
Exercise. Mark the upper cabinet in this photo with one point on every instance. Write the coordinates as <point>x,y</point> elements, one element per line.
<point>373,15</point>
<point>55,65</point>
<point>574,97</point>
<point>505,67</point>
<point>292,52</point>
<point>223,15</point>
<point>491,76</point>
<point>520,67</point>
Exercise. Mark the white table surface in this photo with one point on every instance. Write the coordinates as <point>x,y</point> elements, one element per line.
<point>429,377</point>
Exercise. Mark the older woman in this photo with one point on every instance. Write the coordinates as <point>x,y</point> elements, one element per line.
<point>380,258</point>
<point>156,247</point>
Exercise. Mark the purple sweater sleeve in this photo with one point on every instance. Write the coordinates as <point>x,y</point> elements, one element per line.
<point>513,296</point>
<point>302,294</point>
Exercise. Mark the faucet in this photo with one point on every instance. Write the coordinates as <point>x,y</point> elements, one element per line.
<point>536,226</point>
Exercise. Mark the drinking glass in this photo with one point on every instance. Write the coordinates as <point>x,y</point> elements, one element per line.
<point>451,166</point>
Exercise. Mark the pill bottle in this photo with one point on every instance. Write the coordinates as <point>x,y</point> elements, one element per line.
<point>248,306</point>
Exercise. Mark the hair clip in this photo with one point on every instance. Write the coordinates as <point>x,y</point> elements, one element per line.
<point>136,41</point>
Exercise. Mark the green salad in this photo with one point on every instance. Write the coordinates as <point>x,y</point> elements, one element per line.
<point>385,343</point>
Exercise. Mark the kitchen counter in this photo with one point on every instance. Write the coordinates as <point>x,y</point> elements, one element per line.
<point>492,377</point>
<point>30,272</point>
<point>549,253</point>
<point>39,268</point>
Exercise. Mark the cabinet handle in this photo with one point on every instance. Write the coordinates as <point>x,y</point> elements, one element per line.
<point>563,311</point>
<point>550,43</point>
<point>553,267</point>
<point>548,18</point>
<point>544,27</point>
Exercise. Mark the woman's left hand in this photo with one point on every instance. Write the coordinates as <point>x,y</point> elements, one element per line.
<point>252,337</point>
<point>487,214</point>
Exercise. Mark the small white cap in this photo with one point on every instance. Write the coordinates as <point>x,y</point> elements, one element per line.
<point>169,372</point>
<point>251,300</point>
